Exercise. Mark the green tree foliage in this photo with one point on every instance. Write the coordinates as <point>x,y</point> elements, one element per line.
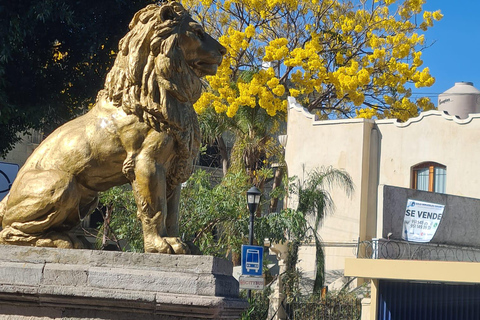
<point>54,56</point>
<point>255,144</point>
<point>120,211</point>
<point>215,217</point>
<point>212,216</point>
<point>258,308</point>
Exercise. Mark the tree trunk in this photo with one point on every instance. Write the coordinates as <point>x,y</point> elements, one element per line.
<point>320,266</point>
<point>277,181</point>
<point>106,225</point>
<point>222,148</point>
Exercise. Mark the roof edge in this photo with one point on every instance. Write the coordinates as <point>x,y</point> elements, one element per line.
<point>294,105</point>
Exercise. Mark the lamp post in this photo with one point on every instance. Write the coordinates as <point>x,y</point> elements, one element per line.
<point>253,199</point>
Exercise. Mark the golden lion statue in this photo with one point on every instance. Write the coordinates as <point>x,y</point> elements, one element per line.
<point>143,130</point>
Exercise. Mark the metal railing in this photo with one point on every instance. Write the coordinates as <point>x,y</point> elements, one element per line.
<point>326,309</point>
<point>403,250</point>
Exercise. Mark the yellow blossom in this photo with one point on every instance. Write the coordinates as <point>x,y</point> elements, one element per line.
<point>338,54</point>
<point>250,31</point>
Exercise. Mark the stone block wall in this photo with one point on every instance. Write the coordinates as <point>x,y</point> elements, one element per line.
<point>48,283</point>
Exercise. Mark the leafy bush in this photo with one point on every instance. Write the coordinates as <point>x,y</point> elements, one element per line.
<point>258,309</point>
<point>216,217</point>
<point>120,210</point>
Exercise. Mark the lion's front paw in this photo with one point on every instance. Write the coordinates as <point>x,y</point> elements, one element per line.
<point>170,245</point>
<point>178,246</point>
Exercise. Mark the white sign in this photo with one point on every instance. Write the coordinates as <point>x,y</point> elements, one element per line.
<point>8,172</point>
<point>421,220</point>
<point>249,282</point>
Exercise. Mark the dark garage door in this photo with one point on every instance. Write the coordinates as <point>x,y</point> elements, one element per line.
<point>428,301</point>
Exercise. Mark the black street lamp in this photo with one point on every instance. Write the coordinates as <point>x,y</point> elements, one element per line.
<point>253,199</point>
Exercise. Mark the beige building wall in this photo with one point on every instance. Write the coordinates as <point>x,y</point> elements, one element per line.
<point>377,152</point>
<point>433,136</point>
<point>23,149</point>
<point>340,144</point>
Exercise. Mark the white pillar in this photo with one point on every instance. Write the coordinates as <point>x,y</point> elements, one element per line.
<point>276,311</point>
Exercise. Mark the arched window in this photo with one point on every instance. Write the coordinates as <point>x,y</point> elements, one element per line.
<point>429,176</point>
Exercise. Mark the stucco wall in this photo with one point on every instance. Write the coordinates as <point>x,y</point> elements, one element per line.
<point>312,144</point>
<point>338,143</point>
<point>433,136</point>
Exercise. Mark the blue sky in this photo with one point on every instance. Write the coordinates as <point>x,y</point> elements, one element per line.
<point>455,53</point>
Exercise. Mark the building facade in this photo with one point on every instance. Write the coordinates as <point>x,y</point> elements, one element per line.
<point>432,152</point>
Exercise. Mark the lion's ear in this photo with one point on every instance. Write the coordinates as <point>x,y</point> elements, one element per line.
<point>167,12</point>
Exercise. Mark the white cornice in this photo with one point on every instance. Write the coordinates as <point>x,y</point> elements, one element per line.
<point>431,113</point>
<point>293,105</point>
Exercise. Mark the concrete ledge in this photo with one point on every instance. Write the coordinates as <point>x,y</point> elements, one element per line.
<point>47,283</point>
<point>436,271</point>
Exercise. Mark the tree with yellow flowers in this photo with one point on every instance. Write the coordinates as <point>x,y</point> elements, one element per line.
<point>338,58</point>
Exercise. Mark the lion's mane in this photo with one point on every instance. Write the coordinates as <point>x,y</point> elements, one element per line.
<point>151,79</point>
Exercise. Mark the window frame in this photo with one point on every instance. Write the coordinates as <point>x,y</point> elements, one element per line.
<point>430,165</point>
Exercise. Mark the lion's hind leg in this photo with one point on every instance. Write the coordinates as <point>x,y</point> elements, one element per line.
<point>37,208</point>
<point>10,235</point>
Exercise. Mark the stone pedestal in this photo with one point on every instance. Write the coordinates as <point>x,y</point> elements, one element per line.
<point>46,283</point>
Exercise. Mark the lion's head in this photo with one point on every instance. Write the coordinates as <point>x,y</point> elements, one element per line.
<point>159,64</point>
